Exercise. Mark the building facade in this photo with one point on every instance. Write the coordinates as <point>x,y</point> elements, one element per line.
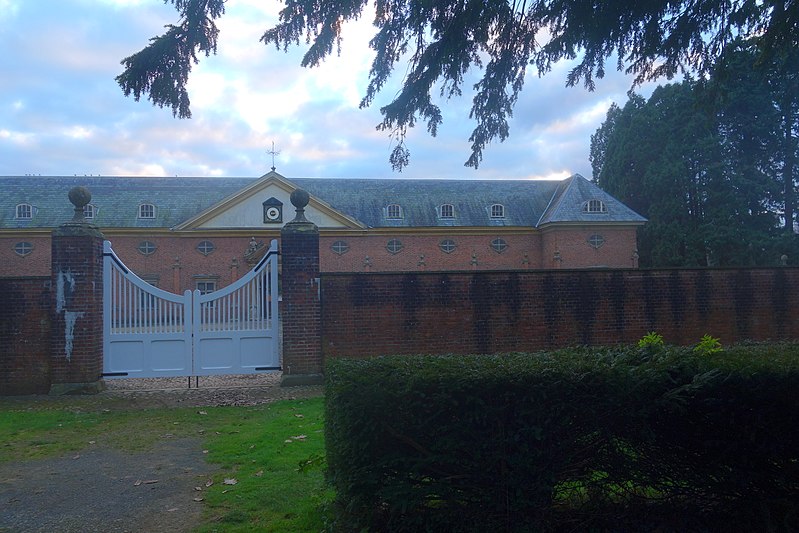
<point>204,233</point>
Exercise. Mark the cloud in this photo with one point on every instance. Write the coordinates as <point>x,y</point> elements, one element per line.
<point>61,112</point>
<point>8,10</point>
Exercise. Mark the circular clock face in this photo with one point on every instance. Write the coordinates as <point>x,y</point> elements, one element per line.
<point>273,213</point>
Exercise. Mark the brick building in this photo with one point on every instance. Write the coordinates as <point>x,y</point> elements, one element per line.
<point>187,233</point>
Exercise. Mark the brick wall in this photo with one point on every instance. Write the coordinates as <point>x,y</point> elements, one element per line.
<point>25,336</point>
<point>76,351</point>
<point>490,312</point>
<point>571,248</point>
<point>422,253</point>
<point>302,354</point>
<point>36,263</point>
<point>176,264</point>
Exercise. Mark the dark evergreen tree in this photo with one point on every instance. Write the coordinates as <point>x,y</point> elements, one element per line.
<point>709,163</point>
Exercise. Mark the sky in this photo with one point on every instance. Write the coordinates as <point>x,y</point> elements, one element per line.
<point>62,113</point>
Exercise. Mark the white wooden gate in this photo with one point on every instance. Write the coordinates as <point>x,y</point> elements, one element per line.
<point>149,332</point>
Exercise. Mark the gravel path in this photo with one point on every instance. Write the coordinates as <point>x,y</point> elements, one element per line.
<point>102,489</point>
<point>250,389</point>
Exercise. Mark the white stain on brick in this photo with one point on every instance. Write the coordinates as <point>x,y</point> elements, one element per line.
<point>65,284</point>
<point>70,317</point>
<point>63,279</point>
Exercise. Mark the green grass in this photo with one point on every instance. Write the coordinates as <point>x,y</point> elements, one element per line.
<point>273,452</point>
<point>266,451</point>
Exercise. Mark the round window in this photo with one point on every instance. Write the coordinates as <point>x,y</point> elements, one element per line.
<point>394,246</point>
<point>499,245</point>
<point>447,246</point>
<point>146,247</point>
<point>23,248</point>
<point>596,240</point>
<point>206,247</point>
<point>340,247</point>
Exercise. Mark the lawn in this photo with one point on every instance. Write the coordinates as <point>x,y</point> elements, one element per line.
<point>269,456</point>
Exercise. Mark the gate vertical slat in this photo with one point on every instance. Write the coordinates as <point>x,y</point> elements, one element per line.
<point>123,301</point>
<point>274,294</point>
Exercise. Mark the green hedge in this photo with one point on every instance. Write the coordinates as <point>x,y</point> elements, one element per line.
<point>604,439</point>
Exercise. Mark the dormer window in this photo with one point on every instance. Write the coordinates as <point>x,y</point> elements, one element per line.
<point>497,211</point>
<point>89,211</point>
<point>595,206</point>
<point>393,211</point>
<point>446,211</point>
<point>24,212</point>
<point>147,211</point>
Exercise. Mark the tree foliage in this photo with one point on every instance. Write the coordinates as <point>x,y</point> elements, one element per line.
<point>710,163</point>
<point>443,40</point>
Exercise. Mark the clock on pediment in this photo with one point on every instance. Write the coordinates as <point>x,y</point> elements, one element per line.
<point>273,211</point>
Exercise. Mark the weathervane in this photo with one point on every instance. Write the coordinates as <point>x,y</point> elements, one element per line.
<point>273,152</point>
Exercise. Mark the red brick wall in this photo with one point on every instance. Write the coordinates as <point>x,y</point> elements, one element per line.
<point>76,353</point>
<point>302,353</point>
<point>527,249</point>
<point>574,251</point>
<point>37,263</point>
<point>422,253</point>
<point>25,336</point>
<point>176,263</point>
<point>491,312</point>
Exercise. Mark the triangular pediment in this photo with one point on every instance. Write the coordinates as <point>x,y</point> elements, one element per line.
<point>254,207</point>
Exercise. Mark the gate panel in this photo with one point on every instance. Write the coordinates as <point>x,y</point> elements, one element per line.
<point>149,332</point>
<point>146,331</point>
<point>236,328</point>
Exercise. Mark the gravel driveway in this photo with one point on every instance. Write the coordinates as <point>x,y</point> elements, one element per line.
<point>251,389</point>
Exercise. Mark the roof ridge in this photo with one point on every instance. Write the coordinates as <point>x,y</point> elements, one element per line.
<point>557,197</point>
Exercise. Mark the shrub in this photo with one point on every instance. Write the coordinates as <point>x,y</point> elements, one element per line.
<point>575,439</point>
<point>708,346</point>
<point>651,340</point>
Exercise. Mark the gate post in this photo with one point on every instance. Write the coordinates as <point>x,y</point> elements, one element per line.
<point>76,358</point>
<point>302,331</point>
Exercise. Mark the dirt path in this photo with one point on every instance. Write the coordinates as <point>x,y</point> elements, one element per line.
<point>106,490</point>
<point>100,489</point>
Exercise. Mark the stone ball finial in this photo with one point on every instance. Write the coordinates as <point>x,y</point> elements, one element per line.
<point>80,197</point>
<point>78,225</point>
<point>300,198</point>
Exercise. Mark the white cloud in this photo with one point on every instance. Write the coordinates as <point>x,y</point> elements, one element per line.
<point>17,138</point>
<point>138,169</point>
<point>59,89</point>
<point>8,9</point>
<point>122,3</point>
<point>79,132</point>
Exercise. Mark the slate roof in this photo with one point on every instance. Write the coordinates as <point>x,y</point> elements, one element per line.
<point>527,203</point>
<point>567,204</point>
<point>116,198</point>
